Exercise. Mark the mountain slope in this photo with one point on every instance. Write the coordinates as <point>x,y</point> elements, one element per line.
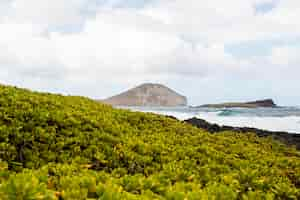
<point>57,147</point>
<point>148,95</point>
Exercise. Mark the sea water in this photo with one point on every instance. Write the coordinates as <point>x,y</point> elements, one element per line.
<point>285,119</point>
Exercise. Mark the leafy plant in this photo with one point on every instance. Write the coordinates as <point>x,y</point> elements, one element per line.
<point>65,147</point>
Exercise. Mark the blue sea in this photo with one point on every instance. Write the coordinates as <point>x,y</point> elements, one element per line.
<point>274,119</point>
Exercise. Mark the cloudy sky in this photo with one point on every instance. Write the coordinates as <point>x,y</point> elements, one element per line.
<point>210,51</point>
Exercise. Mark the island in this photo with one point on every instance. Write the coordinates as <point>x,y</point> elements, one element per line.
<point>268,103</point>
<point>148,94</point>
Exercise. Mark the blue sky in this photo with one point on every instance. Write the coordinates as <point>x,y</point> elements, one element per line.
<point>265,7</point>
<point>210,51</point>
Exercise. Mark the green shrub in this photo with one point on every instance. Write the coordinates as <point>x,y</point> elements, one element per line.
<point>64,147</point>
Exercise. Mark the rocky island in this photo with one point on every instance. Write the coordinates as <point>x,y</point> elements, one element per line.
<point>148,94</point>
<point>269,103</point>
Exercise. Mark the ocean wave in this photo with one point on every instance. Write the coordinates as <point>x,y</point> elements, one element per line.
<point>286,124</point>
<point>229,113</point>
<point>279,119</point>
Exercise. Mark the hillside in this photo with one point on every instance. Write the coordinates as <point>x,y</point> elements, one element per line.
<point>64,147</point>
<point>148,95</point>
<point>268,103</point>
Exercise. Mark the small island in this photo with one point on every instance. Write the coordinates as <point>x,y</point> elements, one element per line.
<point>148,94</point>
<point>267,103</point>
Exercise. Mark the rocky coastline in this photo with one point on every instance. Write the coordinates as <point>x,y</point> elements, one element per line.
<point>290,139</point>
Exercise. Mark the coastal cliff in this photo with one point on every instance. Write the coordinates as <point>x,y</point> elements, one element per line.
<point>148,95</point>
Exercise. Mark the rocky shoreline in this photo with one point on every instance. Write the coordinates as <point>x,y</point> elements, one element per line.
<point>290,139</point>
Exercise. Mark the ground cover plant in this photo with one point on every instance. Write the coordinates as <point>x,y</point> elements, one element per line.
<point>66,147</point>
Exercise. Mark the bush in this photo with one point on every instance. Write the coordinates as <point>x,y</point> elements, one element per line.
<point>64,147</point>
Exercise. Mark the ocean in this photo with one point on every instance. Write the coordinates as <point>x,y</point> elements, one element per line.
<point>285,119</point>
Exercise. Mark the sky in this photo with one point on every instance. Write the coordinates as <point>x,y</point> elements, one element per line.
<point>210,51</point>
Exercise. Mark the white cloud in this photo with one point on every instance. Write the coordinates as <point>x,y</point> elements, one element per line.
<point>160,41</point>
<point>113,43</point>
<point>229,21</point>
<point>285,56</point>
<point>45,12</point>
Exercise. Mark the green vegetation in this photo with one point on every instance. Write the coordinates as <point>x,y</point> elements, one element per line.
<point>57,147</point>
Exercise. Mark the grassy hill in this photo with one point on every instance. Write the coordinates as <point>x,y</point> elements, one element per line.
<point>63,147</point>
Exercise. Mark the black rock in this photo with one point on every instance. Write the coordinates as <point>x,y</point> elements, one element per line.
<point>290,139</point>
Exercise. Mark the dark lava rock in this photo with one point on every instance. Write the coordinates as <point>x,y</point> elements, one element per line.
<point>290,139</point>
<point>263,103</point>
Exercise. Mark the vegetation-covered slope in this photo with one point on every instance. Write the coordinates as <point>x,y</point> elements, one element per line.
<point>56,147</point>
